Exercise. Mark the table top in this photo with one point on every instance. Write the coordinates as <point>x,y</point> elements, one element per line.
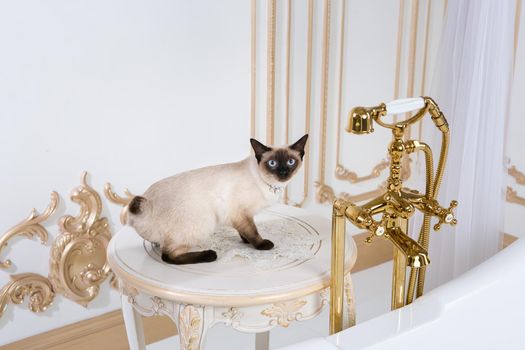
<point>298,265</point>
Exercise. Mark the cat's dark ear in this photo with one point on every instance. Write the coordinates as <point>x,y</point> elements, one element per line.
<point>259,149</point>
<point>299,145</point>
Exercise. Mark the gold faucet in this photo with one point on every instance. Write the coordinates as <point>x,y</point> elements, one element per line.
<point>395,206</point>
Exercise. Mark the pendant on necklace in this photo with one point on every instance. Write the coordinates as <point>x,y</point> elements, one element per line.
<point>275,189</point>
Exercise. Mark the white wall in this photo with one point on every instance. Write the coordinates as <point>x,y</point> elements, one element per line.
<point>131,91</point>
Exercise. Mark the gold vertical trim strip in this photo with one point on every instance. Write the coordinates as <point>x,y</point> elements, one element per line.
<point>399,45</point>
<point>400,22</point>
<point>445,8</point>
<point>270,99</point>
<point>309,50</point>
<point>287,87</point>
<point>287,81</point>
<point>341,71</point>
<point>425,51</point>
<point>253,66</point>
<point>308,97</point>
<point>425,56</point>
<point>516,37</point>
<point>324,89</point>
<point>412,53</point>
<point>516,30</point>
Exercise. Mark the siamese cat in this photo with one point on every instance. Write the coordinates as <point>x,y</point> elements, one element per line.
<point>183,211</point>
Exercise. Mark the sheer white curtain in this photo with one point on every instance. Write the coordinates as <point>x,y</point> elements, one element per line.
<point>471,84</point>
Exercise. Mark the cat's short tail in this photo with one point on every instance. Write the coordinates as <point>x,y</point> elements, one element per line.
<point>137,205</point>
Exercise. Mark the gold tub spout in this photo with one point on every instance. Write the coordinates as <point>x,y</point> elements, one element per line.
<point>415,254</point>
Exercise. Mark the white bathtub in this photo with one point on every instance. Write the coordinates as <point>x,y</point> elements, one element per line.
<point>481,309</point>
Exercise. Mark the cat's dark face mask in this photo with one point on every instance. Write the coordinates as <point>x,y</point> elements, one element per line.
<point>279,164</point>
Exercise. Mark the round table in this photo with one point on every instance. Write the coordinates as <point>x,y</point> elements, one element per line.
<point>249,290</point>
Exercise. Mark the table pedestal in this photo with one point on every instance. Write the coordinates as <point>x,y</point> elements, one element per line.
<point>193,321</point>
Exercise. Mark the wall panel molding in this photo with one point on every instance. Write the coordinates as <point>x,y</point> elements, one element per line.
<point>326,32</point>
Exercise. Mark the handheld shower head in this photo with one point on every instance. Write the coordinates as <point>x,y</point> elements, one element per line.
<point>360,121</point>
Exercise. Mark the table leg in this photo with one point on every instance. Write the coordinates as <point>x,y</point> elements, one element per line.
<point>134,327</point>
<point>262,341</point>
<point>349,303</point>
<point>191,327</point>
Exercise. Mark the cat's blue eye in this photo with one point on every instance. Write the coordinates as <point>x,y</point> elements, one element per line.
<point>272,163</point>
<point>290,162</point>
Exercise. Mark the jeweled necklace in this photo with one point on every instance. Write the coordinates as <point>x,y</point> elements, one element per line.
<point>275,189</point>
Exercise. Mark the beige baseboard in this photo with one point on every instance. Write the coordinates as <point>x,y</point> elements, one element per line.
<point>107,331</point>
<point>103,332</point>
<point>508,239</point>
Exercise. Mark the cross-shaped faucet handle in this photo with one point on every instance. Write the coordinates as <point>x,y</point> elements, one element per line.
<point>447,216</point>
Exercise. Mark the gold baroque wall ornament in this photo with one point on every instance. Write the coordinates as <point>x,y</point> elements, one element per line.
<point>113,197</point>
<point>78,257</point>
<point>513,197</point>
<point>341,173</point>
<point>36,287</point>
<point>326,194</point>
<point>517,175</point>
<point>122,201</point>
<point>30,227</point>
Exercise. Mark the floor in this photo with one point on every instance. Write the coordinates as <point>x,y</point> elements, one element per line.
<point>372,289</point>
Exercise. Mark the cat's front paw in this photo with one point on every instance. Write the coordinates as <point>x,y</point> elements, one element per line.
<point>265,244</point>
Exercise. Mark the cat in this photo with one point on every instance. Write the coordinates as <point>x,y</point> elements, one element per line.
<point>182,211</point>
